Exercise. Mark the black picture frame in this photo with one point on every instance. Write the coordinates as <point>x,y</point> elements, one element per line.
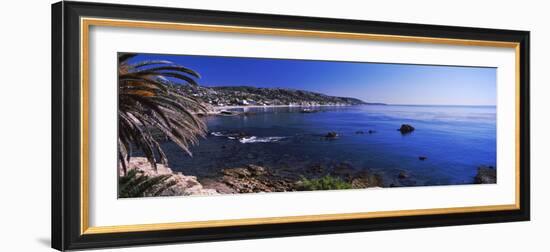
<point>66,125</point>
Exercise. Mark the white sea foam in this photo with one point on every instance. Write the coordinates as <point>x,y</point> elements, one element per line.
<point>218,134</point>
<point>254,139</point>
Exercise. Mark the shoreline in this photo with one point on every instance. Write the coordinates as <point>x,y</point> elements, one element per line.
<point>281,106</point>
<point>215,110</point>
<point>252,178</point>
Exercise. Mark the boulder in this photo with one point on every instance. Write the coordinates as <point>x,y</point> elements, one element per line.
<point>332,134</point>
<point>406,128</point>
<point>486,175</point>
<point>422,158</point>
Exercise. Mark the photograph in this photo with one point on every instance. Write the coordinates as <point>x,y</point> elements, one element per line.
<point>193,125</point>
<point>180,124</point>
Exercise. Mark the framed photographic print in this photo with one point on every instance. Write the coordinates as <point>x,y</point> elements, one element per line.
<point>180,125</point>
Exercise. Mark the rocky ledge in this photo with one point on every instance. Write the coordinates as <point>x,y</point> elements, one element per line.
<point>248,179</point>
<point>253,179</point>
<point>185,185</point>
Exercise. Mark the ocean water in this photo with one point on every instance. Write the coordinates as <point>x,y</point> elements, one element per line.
<point>455,139</point>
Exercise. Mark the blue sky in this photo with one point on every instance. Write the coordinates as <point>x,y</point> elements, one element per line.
<point>370,82</point>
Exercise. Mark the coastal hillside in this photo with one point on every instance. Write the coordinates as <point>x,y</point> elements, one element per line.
<point>247,95</point>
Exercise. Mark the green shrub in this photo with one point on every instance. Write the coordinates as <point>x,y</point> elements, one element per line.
<point>136,184</point>
<point>324,183</point>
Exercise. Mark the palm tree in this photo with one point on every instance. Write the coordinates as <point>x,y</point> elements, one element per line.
<point>148,101</point>
<point>136,184</point>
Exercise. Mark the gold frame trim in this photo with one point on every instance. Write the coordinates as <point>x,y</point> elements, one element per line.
<point>85,24</point>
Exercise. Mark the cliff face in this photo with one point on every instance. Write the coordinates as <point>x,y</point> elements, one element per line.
<point>246,95</point>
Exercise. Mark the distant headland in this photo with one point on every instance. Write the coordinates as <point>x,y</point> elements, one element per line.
<point>225,96</point>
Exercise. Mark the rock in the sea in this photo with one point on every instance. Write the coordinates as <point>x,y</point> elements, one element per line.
<point>184,185</point>
<point>332,134</point>
<point>403,175</point>
<point>422,158</point>
<point>406,128</point>
<point>486,175</point>
<point>229,113</point>
<point>372,131</point>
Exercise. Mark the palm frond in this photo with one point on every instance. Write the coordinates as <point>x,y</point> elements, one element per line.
<point>136,184</point>
<point>149,100</point>
<point>175,68</point>
<point>122,57</point>
<point>151,62</point>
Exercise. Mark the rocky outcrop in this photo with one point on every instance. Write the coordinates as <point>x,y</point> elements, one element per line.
<point>406,128</point>
<point>185,185</point>
<point>253,178</point>
<point>486,175</point>
<point>344,170</point>
<point>218,185</point>
<point>366,179</point>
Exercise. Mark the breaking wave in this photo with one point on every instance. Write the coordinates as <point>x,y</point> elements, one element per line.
<point>254,139</point>
<point>218,134</point>
<point>247,139</point>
